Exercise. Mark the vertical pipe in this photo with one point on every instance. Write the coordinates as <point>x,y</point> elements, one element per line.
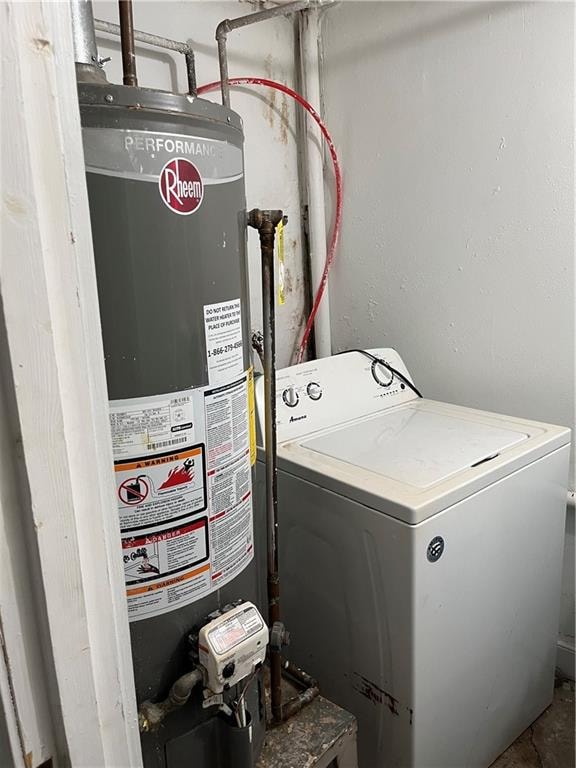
<point>221,33</point>
<point>191,73</point>
<point>127,42</point>
<point>266,222</point>
<point>269,330</point>
<point>85,50</point>
<point>310,58</point>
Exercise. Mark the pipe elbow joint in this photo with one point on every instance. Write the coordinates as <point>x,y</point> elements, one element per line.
<point>182,688</point>
<point>150,716</point>
<point>264,220</point>
<point>222,30</point>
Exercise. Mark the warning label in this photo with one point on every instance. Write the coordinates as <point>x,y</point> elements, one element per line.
<point>224,349</point>
<point>168,594</point>
<point>185,512</point>
<point>160,489</point>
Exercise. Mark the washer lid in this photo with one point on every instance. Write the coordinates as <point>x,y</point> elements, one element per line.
<point>415,447</point>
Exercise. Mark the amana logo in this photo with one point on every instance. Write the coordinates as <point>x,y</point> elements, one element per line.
<point>181,186</point>
<point>297,418</point>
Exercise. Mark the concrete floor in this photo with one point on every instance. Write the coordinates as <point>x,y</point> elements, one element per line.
<point>307,738</point>
<point>549,742</point>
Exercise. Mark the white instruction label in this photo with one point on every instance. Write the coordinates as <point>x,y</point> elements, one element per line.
<point>229,479</point>
<point>185,513</point>
<point>147,425</point>
<point>232,631</point>
<point>224,349</point>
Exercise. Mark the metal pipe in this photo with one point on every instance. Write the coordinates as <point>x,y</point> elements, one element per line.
<point>191,72</point>
<point>298,702</point>
<point>228,25</point>
<point>266,222</point>
<point>311,689</point>
<point>223,62</point>
<point>158,42</point>
<point>314,166</point>
<point>127,42</point>
<point>298,675</point>
<point>85,50</point>
<point>151,715</point>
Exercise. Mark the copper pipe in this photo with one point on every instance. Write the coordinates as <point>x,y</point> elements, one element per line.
<point>127,42</point>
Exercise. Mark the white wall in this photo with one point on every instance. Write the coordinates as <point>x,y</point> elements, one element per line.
<point>455,126</point>
<point>267,50</point>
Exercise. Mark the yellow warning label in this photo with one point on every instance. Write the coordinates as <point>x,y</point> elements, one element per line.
<point>280,248</point>
<point>252,416</point>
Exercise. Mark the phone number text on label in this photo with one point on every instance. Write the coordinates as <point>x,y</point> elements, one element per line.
<point>223,350</point>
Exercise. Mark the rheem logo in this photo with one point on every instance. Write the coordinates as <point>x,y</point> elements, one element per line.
<point>181,186</point>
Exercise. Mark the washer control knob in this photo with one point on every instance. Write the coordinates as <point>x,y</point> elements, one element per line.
<point>290,397</point>
<point>382,375</point>
<point>314,391</point>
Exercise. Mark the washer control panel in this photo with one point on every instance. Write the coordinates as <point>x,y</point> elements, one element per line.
<point>332,390</point>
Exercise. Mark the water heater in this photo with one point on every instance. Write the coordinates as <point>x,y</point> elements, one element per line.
<point>165,179</point>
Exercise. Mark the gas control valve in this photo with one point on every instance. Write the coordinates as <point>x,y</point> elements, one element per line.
<point>231,646</point>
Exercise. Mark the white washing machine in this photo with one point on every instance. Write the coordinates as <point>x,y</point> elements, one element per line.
<point>420,560</point>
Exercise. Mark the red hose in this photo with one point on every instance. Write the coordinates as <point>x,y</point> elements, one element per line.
<point>337,173</point>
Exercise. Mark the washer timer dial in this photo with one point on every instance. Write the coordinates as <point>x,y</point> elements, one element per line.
<point>314,391</point>
<point>290,397</point>
<point>381,375</point>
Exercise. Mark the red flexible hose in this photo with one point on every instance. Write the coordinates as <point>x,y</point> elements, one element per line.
<point>337,173</point>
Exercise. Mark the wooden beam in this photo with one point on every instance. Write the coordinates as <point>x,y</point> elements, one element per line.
<point>53,338</point>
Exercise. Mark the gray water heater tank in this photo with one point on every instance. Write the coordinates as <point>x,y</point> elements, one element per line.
<point>165,179</point>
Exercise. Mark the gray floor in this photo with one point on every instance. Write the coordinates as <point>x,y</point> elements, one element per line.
<point>549,742</point>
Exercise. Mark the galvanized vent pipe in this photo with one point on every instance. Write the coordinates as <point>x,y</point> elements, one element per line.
<point>85,50</point>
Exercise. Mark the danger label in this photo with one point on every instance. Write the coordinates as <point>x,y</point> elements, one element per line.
<point>165,552</point>
<point>164,488</point>
<point>181,186</point>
